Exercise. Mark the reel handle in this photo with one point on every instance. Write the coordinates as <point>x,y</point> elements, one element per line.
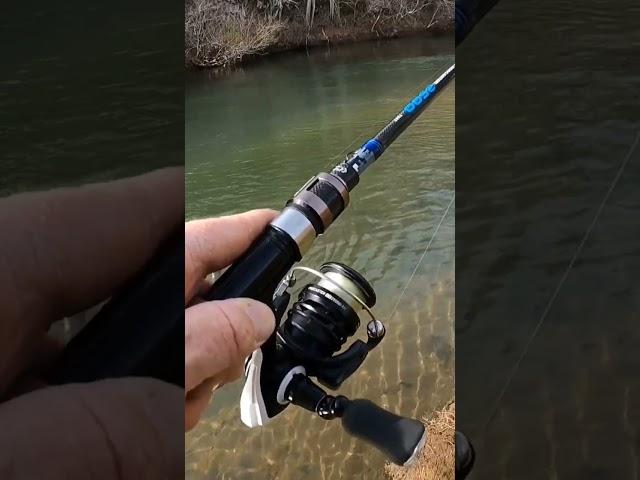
<point>257,273</point>
<point>400,439</point>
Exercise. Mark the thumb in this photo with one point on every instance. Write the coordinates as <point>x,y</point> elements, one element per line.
<point>129,428</point>
<point>220,334</point>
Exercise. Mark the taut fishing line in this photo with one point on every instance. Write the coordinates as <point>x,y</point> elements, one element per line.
<point>422,257</point>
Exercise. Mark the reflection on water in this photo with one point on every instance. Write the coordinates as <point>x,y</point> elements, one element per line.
<point>536,155</point>
<point>84,102</point>
<point>256,135</point>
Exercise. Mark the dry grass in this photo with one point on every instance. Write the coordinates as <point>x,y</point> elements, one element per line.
<point>219,33</point>
<point>389,9</point>
<point>437,460</point>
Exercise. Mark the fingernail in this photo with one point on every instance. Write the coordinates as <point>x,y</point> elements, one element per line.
<point>262,318</point>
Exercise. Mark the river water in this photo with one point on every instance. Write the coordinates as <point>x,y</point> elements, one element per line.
<point>122,116</point>
<point>547,336</point>
<point>252,138</point>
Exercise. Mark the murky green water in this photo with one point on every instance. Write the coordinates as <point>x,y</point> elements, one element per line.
<point>74,111</point>
<point>255,136</point>
<point>536,155</point>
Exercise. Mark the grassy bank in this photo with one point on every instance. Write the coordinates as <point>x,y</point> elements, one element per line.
<point>220,33</point>
<point>437,460</point>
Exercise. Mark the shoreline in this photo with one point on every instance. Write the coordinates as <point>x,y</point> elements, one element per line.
<point>333,35</point>
<point>315,44</point>
<point>218,38</point>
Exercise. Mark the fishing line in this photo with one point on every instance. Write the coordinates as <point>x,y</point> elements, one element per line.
<point>547,309</point>
<point>423,256</point>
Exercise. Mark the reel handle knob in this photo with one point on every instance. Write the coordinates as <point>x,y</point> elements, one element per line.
<point>400,439</point>
<point>375,333</point>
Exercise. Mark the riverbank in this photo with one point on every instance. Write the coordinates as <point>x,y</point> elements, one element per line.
<point>219,34</point>
<point>437,460</point>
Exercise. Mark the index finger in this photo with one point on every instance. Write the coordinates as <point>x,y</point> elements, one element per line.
<point>214,243</point>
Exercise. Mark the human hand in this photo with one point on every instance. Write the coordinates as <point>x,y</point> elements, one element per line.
<point>61,252</point>
<point>219,335</point>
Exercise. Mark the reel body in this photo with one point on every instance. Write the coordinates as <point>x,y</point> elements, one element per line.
<point>306,345</point>
<point>323,318</point>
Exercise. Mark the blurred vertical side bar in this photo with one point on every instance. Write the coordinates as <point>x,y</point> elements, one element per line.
<point>468,14</point>
<point>547,262</point>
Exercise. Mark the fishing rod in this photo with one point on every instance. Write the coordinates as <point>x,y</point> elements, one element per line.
<point>312,211</point>
<point>326,313</point>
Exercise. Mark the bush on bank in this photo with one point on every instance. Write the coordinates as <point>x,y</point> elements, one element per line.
<point>219,33</point>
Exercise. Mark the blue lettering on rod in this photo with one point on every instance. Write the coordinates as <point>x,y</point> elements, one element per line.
<point>419,100</point>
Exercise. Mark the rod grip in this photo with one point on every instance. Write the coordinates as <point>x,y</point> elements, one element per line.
<point>399,438</point>
<point>257,273</point>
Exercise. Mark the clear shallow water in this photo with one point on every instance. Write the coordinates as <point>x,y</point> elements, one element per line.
<point>252,138</point>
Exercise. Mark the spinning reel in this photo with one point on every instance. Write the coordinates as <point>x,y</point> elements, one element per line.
<point>319,323</point>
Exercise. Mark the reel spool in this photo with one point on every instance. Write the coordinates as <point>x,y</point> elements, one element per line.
<point>324,316</point>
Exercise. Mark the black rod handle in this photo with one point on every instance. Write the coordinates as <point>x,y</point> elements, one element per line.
<point>257,273</point>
